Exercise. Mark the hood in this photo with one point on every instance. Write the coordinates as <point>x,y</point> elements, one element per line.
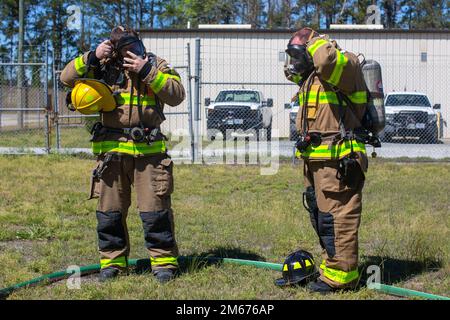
<point>252,105</point>
<point>397,109</point>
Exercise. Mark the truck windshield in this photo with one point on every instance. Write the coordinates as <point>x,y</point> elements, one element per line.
<point>413,100</point>
<point>238,96</point>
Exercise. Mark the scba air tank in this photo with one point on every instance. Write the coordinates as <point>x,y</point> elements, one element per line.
<point>372,76</point>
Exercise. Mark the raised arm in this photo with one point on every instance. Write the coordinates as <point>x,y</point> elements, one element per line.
<point>165,82</point>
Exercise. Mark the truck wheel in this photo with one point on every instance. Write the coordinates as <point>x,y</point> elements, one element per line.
<point>430,136</point>
<point>385,137</point>
<point>433,138</point>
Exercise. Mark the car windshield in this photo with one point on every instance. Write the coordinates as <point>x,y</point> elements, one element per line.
<point>238,96</point>
<point>413,100</point>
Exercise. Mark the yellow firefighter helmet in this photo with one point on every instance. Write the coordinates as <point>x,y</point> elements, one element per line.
<point>90,96</point>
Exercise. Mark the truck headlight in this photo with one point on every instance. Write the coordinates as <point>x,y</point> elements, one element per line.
<point>431,118</point>
<point>389,117</point>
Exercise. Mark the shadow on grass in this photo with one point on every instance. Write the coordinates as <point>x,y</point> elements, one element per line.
<point>396,270</point>
<point>195,262</point>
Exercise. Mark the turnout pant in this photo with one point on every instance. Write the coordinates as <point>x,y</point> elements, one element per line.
<point>335,208</point>
<point>152,179</point>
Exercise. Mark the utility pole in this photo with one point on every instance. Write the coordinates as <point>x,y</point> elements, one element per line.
<point>20,73</point>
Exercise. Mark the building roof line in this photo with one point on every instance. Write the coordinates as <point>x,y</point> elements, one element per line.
<point>263,31</point>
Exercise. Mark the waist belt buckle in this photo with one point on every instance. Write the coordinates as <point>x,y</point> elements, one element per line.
<point>137,134</point>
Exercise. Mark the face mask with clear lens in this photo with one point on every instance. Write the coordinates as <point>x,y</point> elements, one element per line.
<point>136,47</point>
<point>298,61</point>
<point>132,44</point>
<point>292,64</point>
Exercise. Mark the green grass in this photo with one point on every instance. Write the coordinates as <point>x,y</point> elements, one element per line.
<point>71,137</point>
<point>47,225</point>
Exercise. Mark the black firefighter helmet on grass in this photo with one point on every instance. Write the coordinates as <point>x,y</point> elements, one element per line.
<point>298,269</point>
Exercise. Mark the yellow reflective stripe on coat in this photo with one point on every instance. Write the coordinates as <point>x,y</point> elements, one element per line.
<point>120,261</point>
<point>341,62</point>
<point>160,81</point>
<point>125,98</point>
<point>330,97</point>
<point>358,97</point>
<point>163,261</point>
<point>334,151</point>
<point>129,147</point>
<point>80,66</point>
<point>339,276</point>
<point>325,97</point>
<point>312,49</point>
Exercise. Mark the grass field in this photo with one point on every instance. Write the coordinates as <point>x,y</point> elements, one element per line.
<point>71,137</point>
<point>47,224</point>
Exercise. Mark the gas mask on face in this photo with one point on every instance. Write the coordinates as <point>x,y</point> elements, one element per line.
<point>129,43</point>
<point>298,61</point>
<point>114,69</point>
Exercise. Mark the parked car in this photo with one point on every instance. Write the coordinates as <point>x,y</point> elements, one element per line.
<point>410,114</point>
<point>239,112</point>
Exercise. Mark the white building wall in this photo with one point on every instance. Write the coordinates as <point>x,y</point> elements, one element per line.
<point>251,59</point>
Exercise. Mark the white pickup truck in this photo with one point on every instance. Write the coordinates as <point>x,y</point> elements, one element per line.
<point>410,115</point>
<point>237,112</point>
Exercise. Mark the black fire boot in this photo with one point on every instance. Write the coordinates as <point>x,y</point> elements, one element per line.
<point>164,275</point>
<point>320,287</point>
<point>108,273</point>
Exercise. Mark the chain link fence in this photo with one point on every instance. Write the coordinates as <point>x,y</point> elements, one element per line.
<point>24,106</point>
<point>243,93</point>
<point>237,100</point>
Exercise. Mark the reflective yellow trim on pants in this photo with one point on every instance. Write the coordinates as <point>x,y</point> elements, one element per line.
<point>164,261</point>
<point>80,66</point>
<point>339,276</point>
<point>120,262</point>
<point>160,81</point>
<point>334,151</point>
<point>125,98</point>
<point>330,97</point>
<point>129,147</point>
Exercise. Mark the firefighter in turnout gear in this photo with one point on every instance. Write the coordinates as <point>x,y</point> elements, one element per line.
<point>333,100</point>
<point>131,149</point>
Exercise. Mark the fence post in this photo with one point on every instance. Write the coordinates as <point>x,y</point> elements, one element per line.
<point>47,131</point>
<point>56,104</point>
<point>197,101</point>
<point>189,96</point>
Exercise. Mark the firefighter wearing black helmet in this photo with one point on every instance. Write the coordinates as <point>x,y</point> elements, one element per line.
<point>333,100</point>
<point>131,150</point>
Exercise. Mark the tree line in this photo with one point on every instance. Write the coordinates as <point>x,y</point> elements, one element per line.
<point>47,20</point>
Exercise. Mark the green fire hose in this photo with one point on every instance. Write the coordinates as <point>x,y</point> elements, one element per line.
<point>258,264</point>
